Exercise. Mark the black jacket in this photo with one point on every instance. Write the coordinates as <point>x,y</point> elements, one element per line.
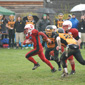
<point>42,24</point>
<point>81,26</point>
<point>19,26</point>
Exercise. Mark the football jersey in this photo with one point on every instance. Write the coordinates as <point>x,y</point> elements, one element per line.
<point>51,36</point>
<point>67,39</point>
<point>1,22</point>
<point>27,22</point>
<point>60,23</point>
<point>11,23</point>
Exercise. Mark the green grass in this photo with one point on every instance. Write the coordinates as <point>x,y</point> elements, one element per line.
<point>16,70</point>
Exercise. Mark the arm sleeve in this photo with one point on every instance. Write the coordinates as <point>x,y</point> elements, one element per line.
<point>15,25</point>
<point>42,34</point>
<point>39,26</point>
<point>56,22</point>
<point>75,34</point>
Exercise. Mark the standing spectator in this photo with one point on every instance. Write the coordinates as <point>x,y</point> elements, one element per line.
<point>81,28</point>
<point>1,21</point>
<point>43,23</point>
<point>59,21</point>
<point>3,28</point>
<point>74,21</point>
<point>19,27</point>
<point>41,27</point>
<point>48,17</point>
<point>30,20</point>
<point>11,31</point>
<point>69,16</point>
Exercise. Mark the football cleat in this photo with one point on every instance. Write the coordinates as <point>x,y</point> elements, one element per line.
<point>72,72</point>
<point>53,70</point>
<point>59,69</point>
<point>64,75</point>
<point>36,66</point>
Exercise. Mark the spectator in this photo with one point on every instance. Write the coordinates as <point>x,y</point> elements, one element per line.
<point>30,20</point>
<point>69,16</point>
<point>48,17</point>
<point>43,23</point>
<point>19,27</point>
<point>59,21</point>
<point>11,31</point>
<point>74,21</point>
<point>81,28</point>
<point>41,27</point>
<point>3,28</point>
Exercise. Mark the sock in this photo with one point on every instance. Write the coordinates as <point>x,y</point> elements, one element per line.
<point>42,57</point>
<point>58,64</point>
<point>73,66</point>
<point>48,63</point>
<point>65,69</point>
<point>32,60</point>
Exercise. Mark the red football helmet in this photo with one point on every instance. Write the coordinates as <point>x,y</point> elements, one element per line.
<point>67,25</point>
<point>29,28</point>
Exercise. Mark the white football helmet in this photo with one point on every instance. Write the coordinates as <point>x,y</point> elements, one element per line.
<point>29,28</point>
<point>54,27</point>
<point>67,24</point>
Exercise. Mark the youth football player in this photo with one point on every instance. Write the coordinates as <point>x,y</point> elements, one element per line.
<point>51,46</point>
<point>72,48</point>
<point>33,37</point>
<point>67,26</point>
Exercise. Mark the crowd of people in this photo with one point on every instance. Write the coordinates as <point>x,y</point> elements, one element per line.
<point>13,29</point>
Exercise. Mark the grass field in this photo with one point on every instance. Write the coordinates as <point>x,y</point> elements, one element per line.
<point>16,70</point>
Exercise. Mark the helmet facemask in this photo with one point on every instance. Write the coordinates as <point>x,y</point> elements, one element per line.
<point>67,25</point>
<point>29,28</point>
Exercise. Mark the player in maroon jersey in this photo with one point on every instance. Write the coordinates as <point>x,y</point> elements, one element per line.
<point>67,27</point>
<point>33,37</point>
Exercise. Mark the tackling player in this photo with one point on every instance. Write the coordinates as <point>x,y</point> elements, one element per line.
<point>72,48</point>
<point>33,37</point>
<point>67,27</point>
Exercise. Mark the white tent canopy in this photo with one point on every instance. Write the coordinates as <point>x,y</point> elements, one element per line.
<point>80,7</point>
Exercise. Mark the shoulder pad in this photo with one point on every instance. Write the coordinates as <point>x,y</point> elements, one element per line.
<point>34,32</point>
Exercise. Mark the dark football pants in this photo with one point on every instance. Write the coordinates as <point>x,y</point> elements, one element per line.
<point>55,57</point>
<point>11,38</point>
<point>76,54</point>
<point>47,55</point>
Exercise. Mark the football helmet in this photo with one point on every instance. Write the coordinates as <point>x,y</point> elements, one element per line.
<point>60,30</point>
<point>67,25</point>
<point>29,28</point>
<point>50,28</point>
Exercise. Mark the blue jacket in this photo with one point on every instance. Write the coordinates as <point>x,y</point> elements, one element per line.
<point>74,22</point>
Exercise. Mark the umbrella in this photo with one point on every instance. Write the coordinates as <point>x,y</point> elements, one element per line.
<point>80,7</point>
<point>34,17</point>
<point>5,11</point>
<point>46,11</point>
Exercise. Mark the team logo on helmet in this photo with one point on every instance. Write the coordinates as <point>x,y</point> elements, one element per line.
<point>29,28</point>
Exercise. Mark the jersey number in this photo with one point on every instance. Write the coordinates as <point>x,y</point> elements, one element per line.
<point>67,36</point>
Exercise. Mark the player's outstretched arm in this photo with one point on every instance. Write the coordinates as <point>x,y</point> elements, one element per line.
<point>45,37</point>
